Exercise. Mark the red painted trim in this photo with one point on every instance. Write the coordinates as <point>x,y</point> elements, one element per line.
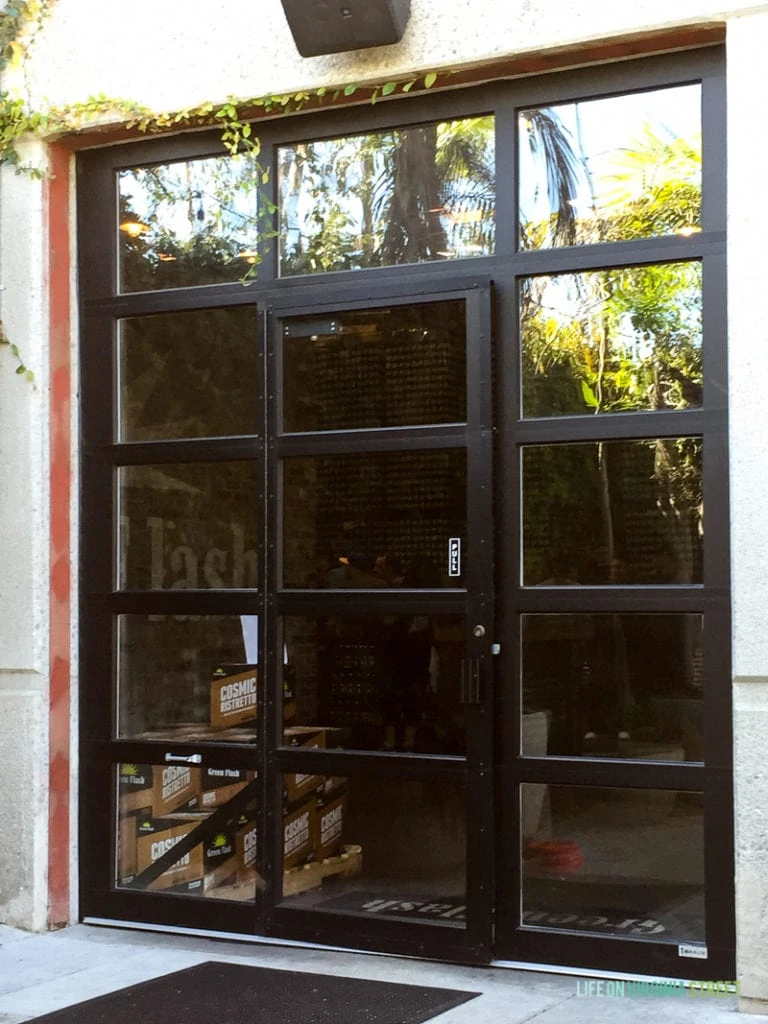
<point>59,852</point>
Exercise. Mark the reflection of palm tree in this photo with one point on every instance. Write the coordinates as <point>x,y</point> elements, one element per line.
<point>405,195</point>
<point>552,148</point>
<point>410,200</point>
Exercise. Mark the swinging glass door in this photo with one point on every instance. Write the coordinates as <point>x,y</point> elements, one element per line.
<point>300,633</point>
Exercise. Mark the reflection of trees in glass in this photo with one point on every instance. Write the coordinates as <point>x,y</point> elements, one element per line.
<point>190,374</point>
<point>400,196</point>
<point>188,223</point>
<point>613,512</point>
<point>612,340</point>
<point>603,183</point>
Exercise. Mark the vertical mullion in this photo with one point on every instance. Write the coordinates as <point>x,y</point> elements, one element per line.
<point>268,193</point>
<point>271,814</point>
<point>507,171</point>
<point>713,124</point>
<point>97,228</point>
<point>480,609</point>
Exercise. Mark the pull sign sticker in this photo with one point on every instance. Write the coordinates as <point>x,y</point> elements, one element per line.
<point>695,952</point>
<point>454,556</point>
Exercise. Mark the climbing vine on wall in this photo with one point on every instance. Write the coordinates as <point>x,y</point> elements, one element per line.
<point>20,23</point>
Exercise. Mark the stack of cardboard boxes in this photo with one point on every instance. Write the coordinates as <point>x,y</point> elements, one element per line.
<point>159,805</point>
<point>313,806</point>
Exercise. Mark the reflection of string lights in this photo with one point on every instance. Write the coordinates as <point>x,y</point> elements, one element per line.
<point>165,257</point>
<point>134,228</point>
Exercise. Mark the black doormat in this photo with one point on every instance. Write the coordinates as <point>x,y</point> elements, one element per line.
<point>221,993</point>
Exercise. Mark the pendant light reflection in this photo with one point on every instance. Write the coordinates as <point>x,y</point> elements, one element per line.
<point>134,228</point>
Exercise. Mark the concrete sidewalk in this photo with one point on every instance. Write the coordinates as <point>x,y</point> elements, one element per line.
<point>42,973</point>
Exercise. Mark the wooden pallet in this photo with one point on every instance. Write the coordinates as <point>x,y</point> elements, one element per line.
<point>299,879</point>
<point>310,876</point>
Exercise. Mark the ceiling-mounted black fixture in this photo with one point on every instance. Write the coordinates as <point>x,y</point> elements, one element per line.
<point>335,26</point>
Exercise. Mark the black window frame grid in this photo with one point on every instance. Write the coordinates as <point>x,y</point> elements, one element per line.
<point>102,305</point>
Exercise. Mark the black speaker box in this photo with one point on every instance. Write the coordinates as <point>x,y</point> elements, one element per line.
<point>335,26</point>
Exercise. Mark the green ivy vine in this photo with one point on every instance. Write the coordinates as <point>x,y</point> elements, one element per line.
<point>20,23</point>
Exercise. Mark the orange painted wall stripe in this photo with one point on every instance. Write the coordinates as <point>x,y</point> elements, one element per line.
<point>59,850</point>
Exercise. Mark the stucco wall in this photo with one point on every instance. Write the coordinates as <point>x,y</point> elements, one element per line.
<point>24,560</point>
<point>172,55</point>
<point>748,359</point>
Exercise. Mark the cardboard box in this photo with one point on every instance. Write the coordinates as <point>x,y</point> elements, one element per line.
<point>297,786</point>
<point>289,698</point>
<point>219,785</point>
<point>234,695</point>
<point>247,853</point>
<point>329,826</point>
<point>299,834</point>
<point>155,836</point>
<point>156,790</point>
<point>210,863</point>
<point>126,848</point>
<point>331,785</point>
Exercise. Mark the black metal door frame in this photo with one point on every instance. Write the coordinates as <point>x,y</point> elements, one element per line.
<point>475,603</point>
<point>515,941</point>
<point>102,306</point>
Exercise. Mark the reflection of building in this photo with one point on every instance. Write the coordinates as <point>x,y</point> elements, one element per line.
<point>310,449</point>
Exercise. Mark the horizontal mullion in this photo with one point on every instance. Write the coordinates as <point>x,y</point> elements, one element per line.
<point>174,602</point>
<point>617,600</point>
<point>135,751</point>
<point>368,764</point>
<point>619,426</point>
<point>399,285</point>
<point>394,439</point>
<point>608,255</point>
<point>608,773</point>
<point>398,601</point>
<point>174,300</point>
<point>209,449</point>
<point>406,281</point>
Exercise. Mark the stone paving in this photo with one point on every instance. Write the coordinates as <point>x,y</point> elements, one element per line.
<point>42,973</point>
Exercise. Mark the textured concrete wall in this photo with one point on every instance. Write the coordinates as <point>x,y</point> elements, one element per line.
<point>748,358</point>
<point>172,55</point>
<point>24,558</point>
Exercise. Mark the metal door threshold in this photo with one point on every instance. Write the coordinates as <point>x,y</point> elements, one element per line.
<point>263,940</point>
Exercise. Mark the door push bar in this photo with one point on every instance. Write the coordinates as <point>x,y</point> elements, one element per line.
<point>470,680</point>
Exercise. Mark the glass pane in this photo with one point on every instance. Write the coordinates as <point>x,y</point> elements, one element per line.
<point>188,375</point>
<point>406,195</point>
<point>626,862</point>
<point>604,170</point>
<point>612,340</point>
<point>161,805</point>
<point>374,520</point>
<point>376,368</point>
<point>612,512</point>
<point>188,677</point>
<point>378,682</point>
<point>613,686</point>
<point>187,223</point>
<point>191,525</point>
<point>377,848</point>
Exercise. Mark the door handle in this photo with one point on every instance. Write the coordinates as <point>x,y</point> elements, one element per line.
<point>184,758</point>
<point>471,672</point>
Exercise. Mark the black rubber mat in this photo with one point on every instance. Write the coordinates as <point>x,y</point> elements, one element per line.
<point>221,993</point>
